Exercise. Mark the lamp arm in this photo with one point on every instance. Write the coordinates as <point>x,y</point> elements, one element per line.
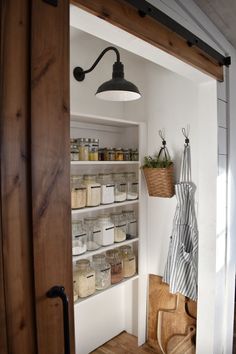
<point>79,73</point>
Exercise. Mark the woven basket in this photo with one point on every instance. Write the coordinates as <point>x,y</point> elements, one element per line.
<point>160,181</point>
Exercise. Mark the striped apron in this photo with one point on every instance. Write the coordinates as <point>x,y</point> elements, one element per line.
<point>181,269</point>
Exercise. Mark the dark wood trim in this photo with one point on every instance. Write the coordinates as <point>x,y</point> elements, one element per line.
<point>16,252</point>
<point>50,152</point>
<point>125,16</point>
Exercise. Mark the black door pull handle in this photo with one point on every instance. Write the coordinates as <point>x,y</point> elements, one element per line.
<point>59,291</point>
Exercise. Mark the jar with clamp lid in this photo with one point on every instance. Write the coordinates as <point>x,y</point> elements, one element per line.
<point>114,259</point>
<point>107,188</point>
<point>132,186</point>
<point>93,191</point>
<point>94,235</point>
<point>131,223</point>
<point>79,238</point>
<point>74,150</point>
<point>78,192</point>
<point>120,187</point>
<point>84,276</point>
<point>129,261</point>
<point>102,272</point>
<point>107,229</point>
<point>120,226</point>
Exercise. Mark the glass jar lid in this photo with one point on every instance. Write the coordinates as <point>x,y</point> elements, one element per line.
<point>103,217</point>
<point>112,253</point>
<point>89,177</point>
<point>125,249</point>
<point>83,264</point>
<point>90,220</point>
<point>99,258</point>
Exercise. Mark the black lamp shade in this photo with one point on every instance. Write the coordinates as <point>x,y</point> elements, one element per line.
<point>118,89</point>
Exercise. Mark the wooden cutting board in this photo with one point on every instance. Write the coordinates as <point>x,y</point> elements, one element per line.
<point>159,299</point>
<point>182,343</point>
<point>172,323</point>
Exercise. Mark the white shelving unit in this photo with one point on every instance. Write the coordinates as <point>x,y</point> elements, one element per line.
<point>125,134</point>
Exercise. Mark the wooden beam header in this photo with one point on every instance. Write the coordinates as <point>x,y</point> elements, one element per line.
<point>125,16</point>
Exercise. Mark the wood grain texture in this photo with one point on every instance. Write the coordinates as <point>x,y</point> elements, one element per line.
<point>16,251</point>
<point>123,15</point>
<point>50,137</point>
<point>124,343</point>
<point>159,299</point>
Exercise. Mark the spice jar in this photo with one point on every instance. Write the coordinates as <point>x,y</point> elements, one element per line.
<point>84,276</point>
<point>132,185</point>
<point>101,154</point>
<point>79,241</point>
<point>83,149</point>
<point>102,272</point>
<point>93,190</point>
<point>127,156</point>
<point>120,187</point>
<point>107,229</point>
<point>114,259</point>
<point>93,149</point>
<point>94,235</point>
<point>131,223</point>
<point>134,155</point>
<point>129,261</point>
<point>74,150</point>
<point>110,154</point>
<point>120,226</point>
<point>119,154</point>
<point>78,192</point>
<point>107,188</point>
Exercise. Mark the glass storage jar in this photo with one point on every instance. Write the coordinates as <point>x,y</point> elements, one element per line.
<point>101,154</point>
<point>114,259</point>
<point>127,156</point>
<point>83,149</point>
<point>93,149</point>
<point>120,226</point>
<point>110,154</point>
<point>102,272</point>
<point>132,185</point>
<point>84,276</point>
<point>94,235</point>
<point>119,154</point>
<point>107,229</point>
<point>74,150</point>
<point>129,261</point>
<point>78,192</point>
<point>107,188</point>
<point>134,155</point>
<point>93,191</point>
<point>131,223</point>
<point>120,187</point>
<point>79,238</point>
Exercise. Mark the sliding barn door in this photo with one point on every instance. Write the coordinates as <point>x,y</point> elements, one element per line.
<point>50,169</point>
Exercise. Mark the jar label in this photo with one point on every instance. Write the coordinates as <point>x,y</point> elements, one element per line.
<point>90,276</point>
<point>109,228</point>
<point>105,270</point>
<point>80,235</point>
<point>95,187</point>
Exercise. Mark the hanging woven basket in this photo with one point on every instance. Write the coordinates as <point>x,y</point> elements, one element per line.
<point>160,181</point>
<point>159,172</point>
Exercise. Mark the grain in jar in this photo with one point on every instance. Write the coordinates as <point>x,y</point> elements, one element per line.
<point>93,190</point>
<point>78,192</point>
<point>114,259</point>
<point>84,276</point>
<point>119,154</point>
<point>120,226</point>
<point>79,238</point>
<point>129,261</point>
<point>120,187</point>
<point>94,235</point>
<point>83,149</point>
<point>107,229</point>
<point>102,272</point>
<point>107,188</point>
<point>132,185</point>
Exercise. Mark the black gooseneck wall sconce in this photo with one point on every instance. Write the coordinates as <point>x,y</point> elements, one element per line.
<point>116,89</point>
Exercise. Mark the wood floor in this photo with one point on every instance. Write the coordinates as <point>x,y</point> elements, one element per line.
<point>124,343</point>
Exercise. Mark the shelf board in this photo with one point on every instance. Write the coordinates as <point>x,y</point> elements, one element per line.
<point>104,249</point>
<point>103,207</point>
<point>96,119</point>
<point>91,163</point>
<point>99,292</point>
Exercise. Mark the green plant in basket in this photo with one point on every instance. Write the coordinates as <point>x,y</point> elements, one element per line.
<point>156,161</point>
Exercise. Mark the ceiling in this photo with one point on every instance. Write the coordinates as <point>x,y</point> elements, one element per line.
<point>223,15</point>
